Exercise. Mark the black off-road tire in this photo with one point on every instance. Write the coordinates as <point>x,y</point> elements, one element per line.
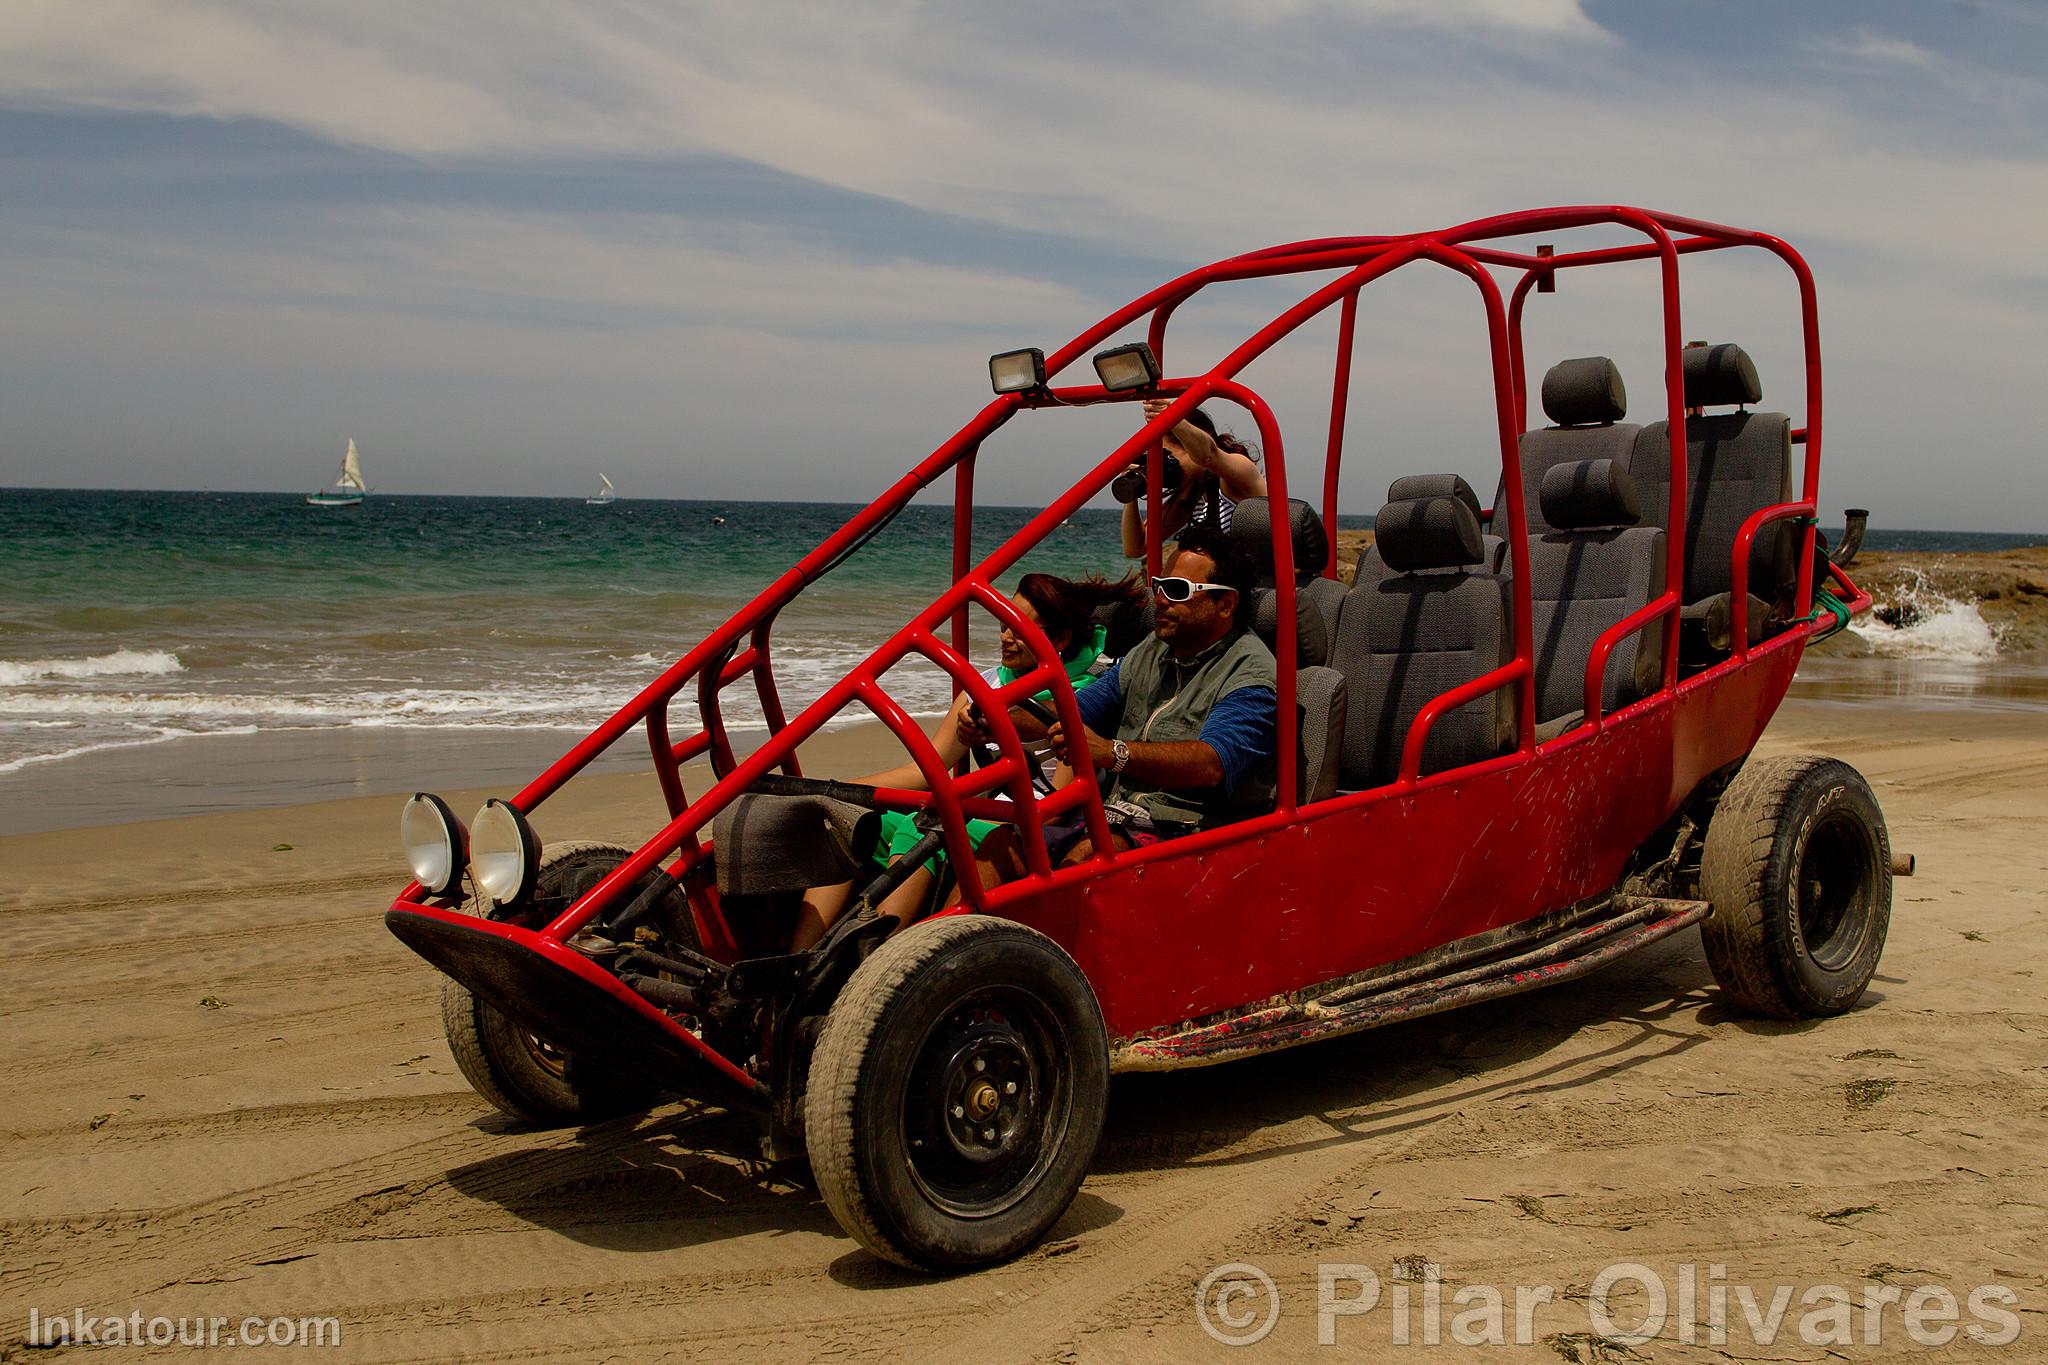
<point>520,1073</point>
<point>1798,866</point>
<point>936,1014</point>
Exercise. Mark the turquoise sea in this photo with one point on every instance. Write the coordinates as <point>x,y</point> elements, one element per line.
<point>149,637</point>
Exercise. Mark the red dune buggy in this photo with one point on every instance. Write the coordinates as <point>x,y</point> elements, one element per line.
<point>1518,741</point>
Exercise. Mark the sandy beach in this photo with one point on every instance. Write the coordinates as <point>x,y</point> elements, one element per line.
<point>233,1098</point>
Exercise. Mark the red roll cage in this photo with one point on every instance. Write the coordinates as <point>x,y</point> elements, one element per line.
<point>740,649</point>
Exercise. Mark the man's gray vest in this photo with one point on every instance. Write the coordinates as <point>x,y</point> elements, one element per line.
<point>1166,700</point>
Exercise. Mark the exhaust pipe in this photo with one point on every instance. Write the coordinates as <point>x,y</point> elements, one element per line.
<point>1843,555</point>
<point>1902,864</point>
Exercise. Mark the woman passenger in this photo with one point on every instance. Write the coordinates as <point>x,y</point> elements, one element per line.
<point>1065,610</point>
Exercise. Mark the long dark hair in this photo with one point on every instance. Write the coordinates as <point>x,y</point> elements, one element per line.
<point>1206,487</point>
<point>1067,606</point>
<point>1225,439</point>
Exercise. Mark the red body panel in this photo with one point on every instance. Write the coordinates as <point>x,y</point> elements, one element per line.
<point>1274,906</point>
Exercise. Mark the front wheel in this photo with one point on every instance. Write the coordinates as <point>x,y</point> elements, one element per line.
<point>956,1097</point>
<point>1798,866</point>
<point>520,1072</point>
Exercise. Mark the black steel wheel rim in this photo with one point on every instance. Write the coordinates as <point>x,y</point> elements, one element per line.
<point>1833,889</point>
<point>987,1104</point>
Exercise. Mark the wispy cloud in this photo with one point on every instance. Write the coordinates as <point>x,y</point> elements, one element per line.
<point>1110,140</point>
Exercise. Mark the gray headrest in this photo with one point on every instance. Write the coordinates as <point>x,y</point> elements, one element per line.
<point>1433,486</point>
<point>1583,392</point>
<point>1311,635</point>
<point>1720,374</point>
<point>1588,493</point>
<point>1427,533</point>
<point>1251,526</point>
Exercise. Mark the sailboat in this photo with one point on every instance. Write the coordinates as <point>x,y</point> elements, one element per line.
<point>605,496</point>
<point>348,487</point>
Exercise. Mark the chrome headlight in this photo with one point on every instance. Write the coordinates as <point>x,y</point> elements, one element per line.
<point>435,843</point>
<point>504,854</point>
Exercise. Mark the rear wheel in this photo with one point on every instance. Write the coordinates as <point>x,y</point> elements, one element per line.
<point>519,1071</point>
<point>956,1097</point>
<point>1798,865</point>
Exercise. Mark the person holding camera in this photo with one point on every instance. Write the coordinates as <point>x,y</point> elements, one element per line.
<point>1204,475</point>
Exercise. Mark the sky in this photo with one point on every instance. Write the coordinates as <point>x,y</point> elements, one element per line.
<point>764,251</point>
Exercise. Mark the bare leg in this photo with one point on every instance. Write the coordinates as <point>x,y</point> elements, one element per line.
<point>1084,848</point>
<point>999,859</point>
<point>906,900</point>
<point>822,905</point>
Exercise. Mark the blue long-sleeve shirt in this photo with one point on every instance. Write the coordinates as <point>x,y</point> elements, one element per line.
<point>1242,726</point>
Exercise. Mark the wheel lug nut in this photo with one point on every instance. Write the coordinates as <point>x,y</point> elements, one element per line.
<point>959,1112</point>
<point>980,1065</point>
<point>1009,1087</point>
<point>988,1135</point>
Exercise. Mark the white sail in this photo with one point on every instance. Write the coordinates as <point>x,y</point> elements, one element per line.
<point>604,496</point>
<point>606,480</point>
<point>352,471</point>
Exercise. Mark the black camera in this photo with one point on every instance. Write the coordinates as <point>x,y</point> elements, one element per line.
<point>1129,486</point>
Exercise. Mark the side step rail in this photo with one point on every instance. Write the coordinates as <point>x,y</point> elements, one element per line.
<point>1559,951</point>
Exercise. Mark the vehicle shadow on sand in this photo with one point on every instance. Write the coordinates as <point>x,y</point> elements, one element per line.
<point>661,1181</point>
<point>676,1178</point>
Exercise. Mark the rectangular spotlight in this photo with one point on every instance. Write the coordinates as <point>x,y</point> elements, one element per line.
<point>1017,371</point>
<point>1127,367</point>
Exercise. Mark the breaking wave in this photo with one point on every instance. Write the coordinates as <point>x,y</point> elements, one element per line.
<point>120,663</point>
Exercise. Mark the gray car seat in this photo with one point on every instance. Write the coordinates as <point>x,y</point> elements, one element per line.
<point>1405,639</point>
<point>1591,572</point>
<point>1495,559</point>
<point>1737,463</point>
<point>1316,599</point>
<point>1587,400</point>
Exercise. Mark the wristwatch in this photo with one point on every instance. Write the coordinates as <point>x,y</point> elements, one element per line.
<point>1121,754</point>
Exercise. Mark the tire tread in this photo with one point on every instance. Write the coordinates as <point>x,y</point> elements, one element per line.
<point>840,1066</point>
<point>1736,865</point>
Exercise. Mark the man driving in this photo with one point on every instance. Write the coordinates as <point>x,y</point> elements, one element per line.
<point>1182,729</point>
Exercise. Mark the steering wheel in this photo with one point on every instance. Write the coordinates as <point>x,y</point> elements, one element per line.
<point>985,754</point>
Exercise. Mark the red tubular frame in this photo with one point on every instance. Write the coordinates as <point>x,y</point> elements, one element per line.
<point>1738,590</point>
<point>741,648</point>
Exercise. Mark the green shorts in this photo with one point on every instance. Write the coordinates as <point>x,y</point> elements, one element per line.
<point>900,833</point>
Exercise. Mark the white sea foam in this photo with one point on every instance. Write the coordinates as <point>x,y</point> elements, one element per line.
<point>121,663</point>
<point>1930,626</point>
<point>163,736</point>
<point>187,705</point>
<point>110,709</point>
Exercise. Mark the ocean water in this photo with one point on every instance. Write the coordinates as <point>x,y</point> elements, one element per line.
<point>129,619</point>
<point>142,635</point>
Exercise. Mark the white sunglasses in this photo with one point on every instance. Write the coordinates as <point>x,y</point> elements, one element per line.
<point>1181,589</point>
